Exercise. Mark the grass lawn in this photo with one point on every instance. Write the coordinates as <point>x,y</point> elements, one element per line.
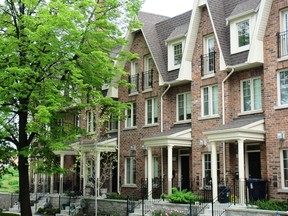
<point>10,183</point>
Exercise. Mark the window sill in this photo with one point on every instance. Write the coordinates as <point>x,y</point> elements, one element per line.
<point>130,128</point>
<point>208,76</point>
<point>282,190</point>
<point>283,58</point>
<point>208,117</point>
<point>250,112</point>
<point>151,125</point>
<point>147,90</point>
<point>112,131</point>
<point>130,185</point>
<point>134,93</point>
<point>182,122</point>
<point>281,107</point>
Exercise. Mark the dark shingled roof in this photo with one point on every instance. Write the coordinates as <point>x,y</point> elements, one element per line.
<point>173,130</point>
<point>220,11</point>
<point>240,122</point>
<point>157,29</point>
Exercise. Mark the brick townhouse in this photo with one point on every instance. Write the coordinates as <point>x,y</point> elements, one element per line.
<point>208,102</point>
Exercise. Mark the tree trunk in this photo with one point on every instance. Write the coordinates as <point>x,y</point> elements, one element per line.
<point>24,195</point>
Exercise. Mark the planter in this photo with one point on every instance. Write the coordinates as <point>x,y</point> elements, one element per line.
<point>103,192</point>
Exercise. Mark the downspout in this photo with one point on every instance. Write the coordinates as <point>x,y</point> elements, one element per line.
<point>223,122</point>
<point>118,159</point>
<point>161,129</point>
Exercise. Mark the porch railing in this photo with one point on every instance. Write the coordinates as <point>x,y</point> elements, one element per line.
<point>282,44</point>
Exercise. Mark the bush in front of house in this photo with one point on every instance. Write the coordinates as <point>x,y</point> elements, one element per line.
<point>48,211</point>
<point>276,205</point>
<point>170,212</point>
<point>183,196</point>
<point>116,196</point>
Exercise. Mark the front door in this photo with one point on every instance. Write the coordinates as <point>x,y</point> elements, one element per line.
<point>253,161</point>
<point>185,183</point>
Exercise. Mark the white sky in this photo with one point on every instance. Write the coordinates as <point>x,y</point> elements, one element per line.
<point>167,7</point>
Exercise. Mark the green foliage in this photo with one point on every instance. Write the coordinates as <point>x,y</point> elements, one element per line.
<point>272,205</point>
<point>183,196</point>
<point>170,212</point>
<point>8,214</point>
<point>116,196</point>
<point>10,181</point>
<point>48,211</point>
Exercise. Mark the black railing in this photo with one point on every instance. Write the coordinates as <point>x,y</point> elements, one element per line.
<point>156,188</point>
<point>282,43</point>
<point>208,64</point>
<point>134,81</point>
<point>147,78</point>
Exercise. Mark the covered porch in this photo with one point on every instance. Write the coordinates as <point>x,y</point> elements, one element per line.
<point>176,138</point>
<point>242,132</point>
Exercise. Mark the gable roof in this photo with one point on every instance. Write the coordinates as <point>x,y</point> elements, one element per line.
<point>157,30</point>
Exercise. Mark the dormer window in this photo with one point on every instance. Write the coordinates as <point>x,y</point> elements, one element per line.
<point>175,52</point>
<point>243,33</point>
<point>147,74</point>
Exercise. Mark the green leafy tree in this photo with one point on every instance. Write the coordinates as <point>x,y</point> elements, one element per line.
<point>53,54</point>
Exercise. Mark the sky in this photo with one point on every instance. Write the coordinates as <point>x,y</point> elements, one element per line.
<point>168,8</point>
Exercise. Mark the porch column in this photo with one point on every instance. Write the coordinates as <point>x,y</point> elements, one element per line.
<point>52,184</point>
<point>149,174</point>
<point>97,171</point>
<point>241,171</point>
<point>214,170</point>
<point>83,165</point>
<point>61,175</point>
<point>170,160</point>
<point>35,183</point>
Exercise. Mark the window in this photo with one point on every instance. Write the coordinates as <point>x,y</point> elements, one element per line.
<point>147,74</point>
<point>152,111</point>
<point>91,121</point>
<point>284,164</point>
<point>184,106</point>
<point>243,33</point>
<point>251,94</point>
<point>155,172</point>
<point>207,168</point>
<point>130,170</point>
<point>131,116</point>
<point>283,88</point>
<point>208,57</point>
<point>283,35</point>
<point>210,100</point>
<point>177,53</point>
<point>113,123</point>
<point>90,166</point>
<point>134,77</point>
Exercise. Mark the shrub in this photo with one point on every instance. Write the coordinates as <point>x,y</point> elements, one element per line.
<point>168,212</point>
<point>8,214</point>
<point>13,182</point>
<point>183,196</point>
<point>272,205</point>
<point>116,196</point>
<point>48,211</point>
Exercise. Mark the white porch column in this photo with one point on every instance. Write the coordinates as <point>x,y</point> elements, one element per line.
<point>51,184</point>
<point>170,168</point>
<point>61,175</point>
<point>84,176</point>
<point>98,157</point>
<point>241,171</point>
<point>214,170</point>
<point>149,172</point>
<point>35,182</point>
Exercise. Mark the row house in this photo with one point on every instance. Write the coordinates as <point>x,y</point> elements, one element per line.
<point>208,103</point>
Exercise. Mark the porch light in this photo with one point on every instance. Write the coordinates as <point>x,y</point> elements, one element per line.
<point>144,148</point>
<point>281,135</point>
<point>133,147</point>
<point>202,142</point>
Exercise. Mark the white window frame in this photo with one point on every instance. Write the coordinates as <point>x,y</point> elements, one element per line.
<point>206,52</point>
<point>211,100</point>
<point>131,180</point>
<point>134,72</point>
<point>91,121</point>
<point>132,109</point>
<point>155,167</point>
<point>280,104</point>
<point>148,65</point>
<point>185,94</point>
<point>234,37</point>
<point>284,28</point>
<point>171,56</point>
<point>252,95</point>
<point>153,111</point>
<point>204,168</point>
<point>113,123</point>
<point>283,180</point>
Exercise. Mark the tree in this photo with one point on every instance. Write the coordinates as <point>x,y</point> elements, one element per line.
<point>53,54</point>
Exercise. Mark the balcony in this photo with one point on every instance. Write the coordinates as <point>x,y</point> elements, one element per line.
<point>282,43</point>
<point>208,64</point>
<point>134,81</point>
<point>147,80</point>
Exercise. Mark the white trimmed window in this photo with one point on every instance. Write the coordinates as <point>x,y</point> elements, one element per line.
<point>147,74</point>
<point>113,123</point>
<point>152,111</point>
<point>208,57</point>
<point>251,94</point>
<point>284,168</point>
<point>91,121</point>
<point>184,106</point>
<point>130,171</point>
<point>283,35</point>
<point>209,101</point>
<point>131,116</point>
<point>206,166</point>
<point>175,52</point>
<point>134,76</point>
<point>283,88</point>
